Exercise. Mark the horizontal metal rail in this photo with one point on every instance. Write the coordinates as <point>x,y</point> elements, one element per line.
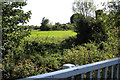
<point>65,73</point>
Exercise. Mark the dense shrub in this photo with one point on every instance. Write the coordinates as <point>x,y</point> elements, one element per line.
<point>40,47</point>
<point>39,56</point>
<point>12,34</point>
<point>23,68</point>
<point>62,27</point>
<point>88,53</point>
<point>50,57</point>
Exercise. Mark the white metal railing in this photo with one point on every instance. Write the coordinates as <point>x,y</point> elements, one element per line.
<point>80,70</point>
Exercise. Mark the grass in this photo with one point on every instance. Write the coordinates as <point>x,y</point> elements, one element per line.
<point>57,34</point>
<point>50,36</point>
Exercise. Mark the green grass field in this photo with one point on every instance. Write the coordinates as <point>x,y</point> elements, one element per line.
<point>55,34</point>
<point>50,36</point>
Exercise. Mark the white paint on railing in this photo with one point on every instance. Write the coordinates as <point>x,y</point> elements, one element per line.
<point>65,73</point>
<point>65,66</point>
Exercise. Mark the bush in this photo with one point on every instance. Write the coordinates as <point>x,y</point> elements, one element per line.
<point>88,53</point>
<point>40,47</point>
<point>38,57</point>
<point>23,68</point>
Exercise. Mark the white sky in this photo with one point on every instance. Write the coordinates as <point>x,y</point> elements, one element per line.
<point>54,10</point>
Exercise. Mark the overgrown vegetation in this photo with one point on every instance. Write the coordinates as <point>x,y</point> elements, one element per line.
<point>23,56</point>
<point>12,15</point>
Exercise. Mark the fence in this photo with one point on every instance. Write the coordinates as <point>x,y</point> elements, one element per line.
<point>109,69</point>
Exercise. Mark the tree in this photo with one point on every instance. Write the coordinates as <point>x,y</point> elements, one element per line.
<point>83,28</point>
<point>86,8</point>
<point>74,17</point>
<point>12,34</point>
<point>114,22</point>
<point>82,19</point>
<point>44,25</point>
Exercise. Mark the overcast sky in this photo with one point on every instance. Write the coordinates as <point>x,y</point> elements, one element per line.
<point>54,10</point>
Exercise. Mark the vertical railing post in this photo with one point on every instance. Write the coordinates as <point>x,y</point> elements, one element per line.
<point>98,74</point>
<point>81,76</point>
<point>105,73</point>
<point>118,71</point>
<point>112,72</point>
<point>90,75</point>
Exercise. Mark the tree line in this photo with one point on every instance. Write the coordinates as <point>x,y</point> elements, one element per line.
<point>46,26</point>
